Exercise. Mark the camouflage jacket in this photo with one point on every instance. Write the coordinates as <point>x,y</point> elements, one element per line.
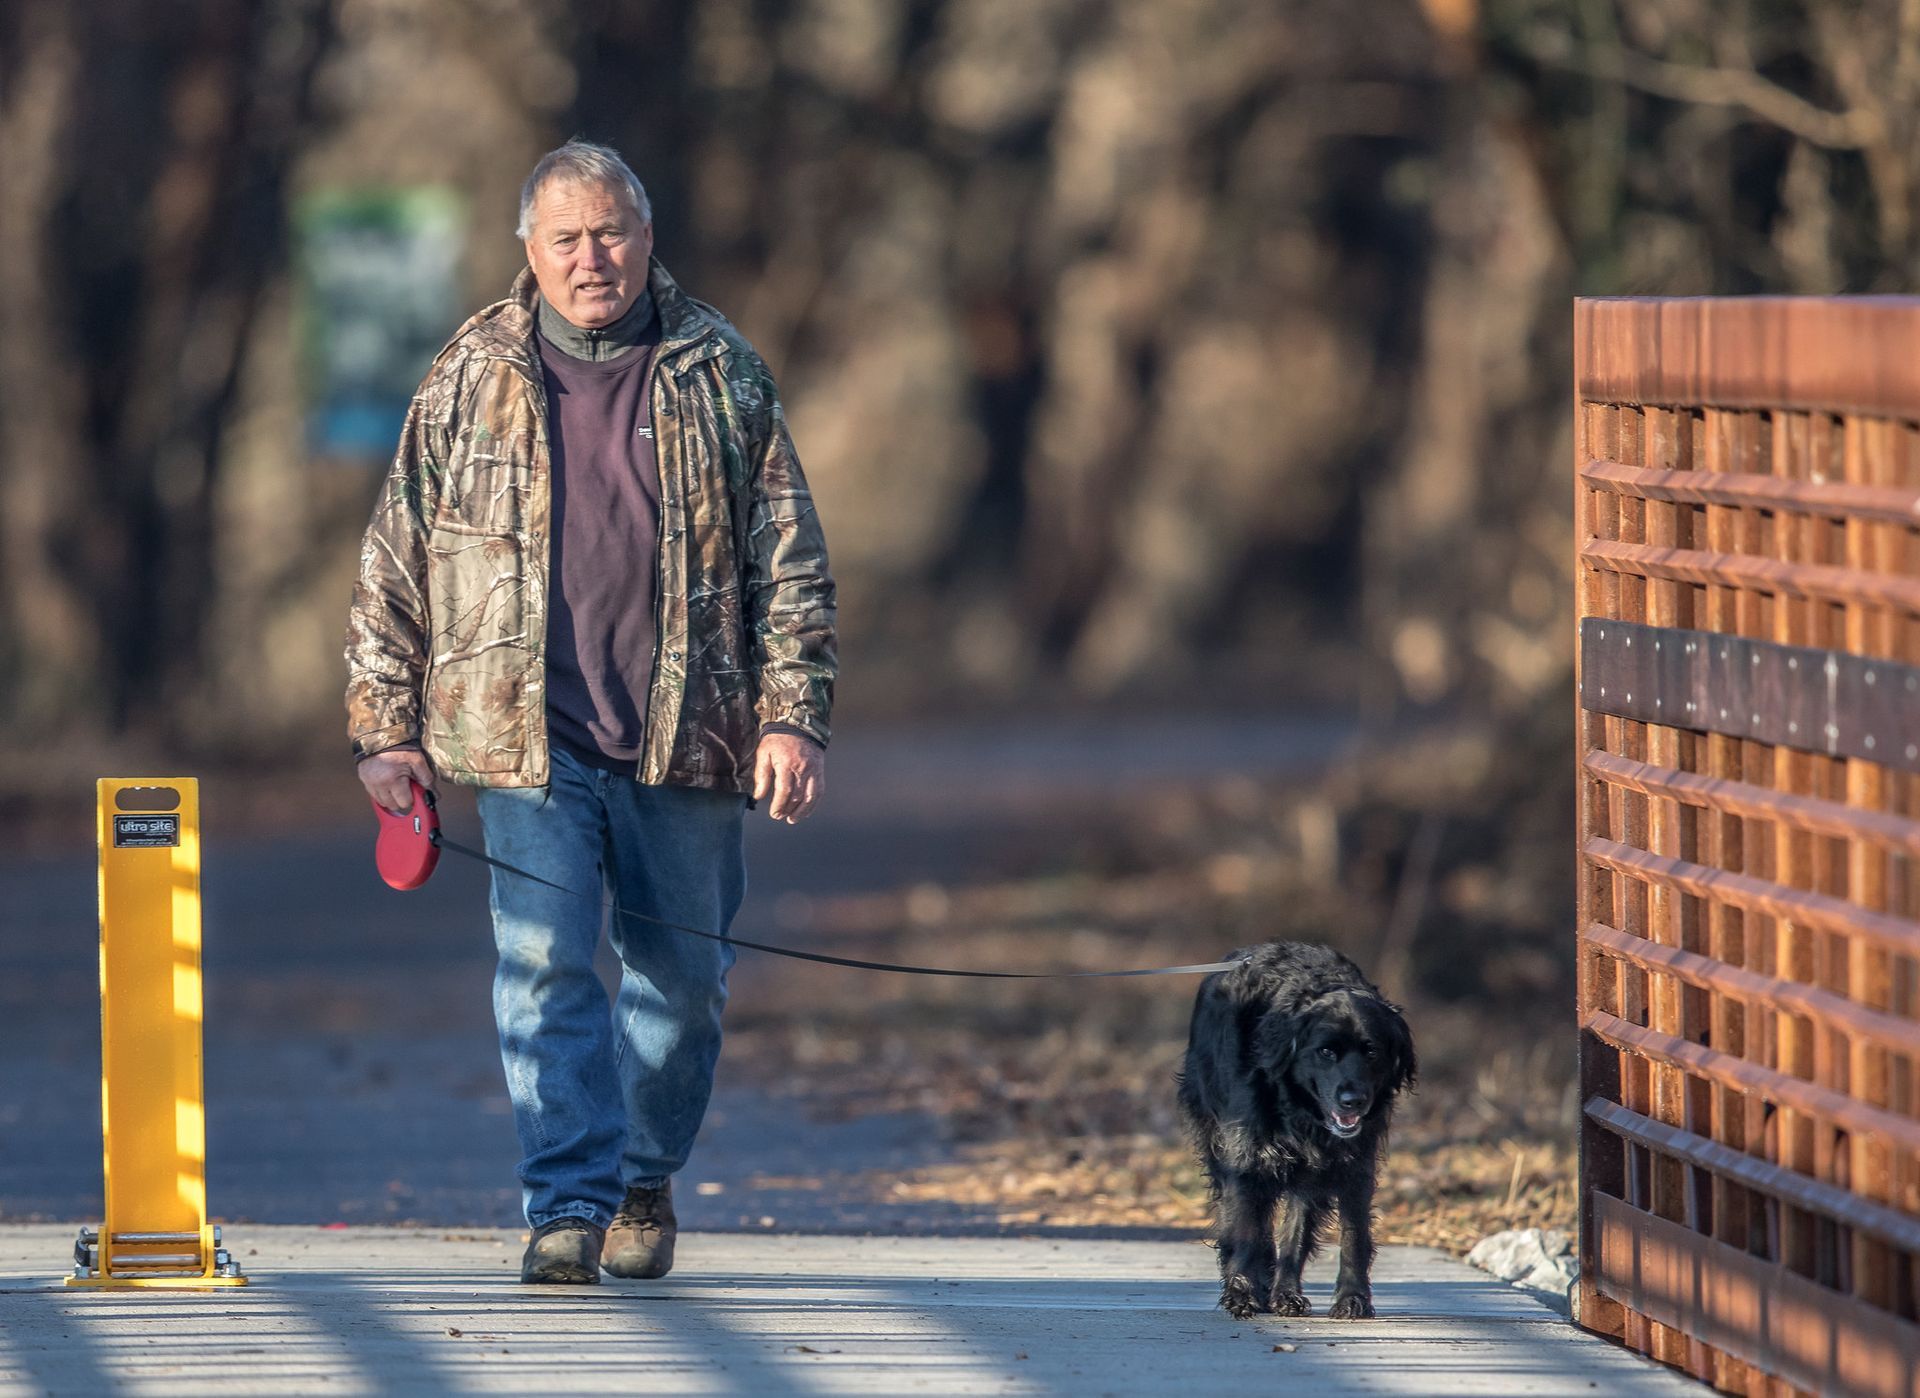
<point>447,636</point>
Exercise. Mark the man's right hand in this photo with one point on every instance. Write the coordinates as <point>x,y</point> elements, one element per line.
<point>385,776</point>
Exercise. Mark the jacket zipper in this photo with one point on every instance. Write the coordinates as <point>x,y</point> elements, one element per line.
<point>653,670</point>
<point>539,715</point>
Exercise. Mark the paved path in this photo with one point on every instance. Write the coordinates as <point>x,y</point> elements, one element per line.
<point>404,1312</point>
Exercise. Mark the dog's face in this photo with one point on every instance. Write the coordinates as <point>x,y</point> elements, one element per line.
<point>1349,1053</point>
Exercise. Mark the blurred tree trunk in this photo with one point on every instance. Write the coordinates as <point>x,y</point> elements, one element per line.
<point>633,84</point>
<point>137,235</point>
<point>53,648</point>
<point>1465,577</point>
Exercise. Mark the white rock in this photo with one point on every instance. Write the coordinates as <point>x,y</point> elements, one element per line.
<point>1536,1258</point>
<point>1557,1275</point>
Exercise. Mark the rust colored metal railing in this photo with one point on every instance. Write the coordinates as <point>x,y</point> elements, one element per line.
<point>1747,518</point>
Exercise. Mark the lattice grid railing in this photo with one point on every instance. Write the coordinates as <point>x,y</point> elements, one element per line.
<point>1748,535</point>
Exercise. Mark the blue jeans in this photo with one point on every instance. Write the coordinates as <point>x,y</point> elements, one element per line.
<point>606,1100</point>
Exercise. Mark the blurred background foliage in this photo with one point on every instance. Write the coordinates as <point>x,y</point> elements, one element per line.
<point>1146,351</point>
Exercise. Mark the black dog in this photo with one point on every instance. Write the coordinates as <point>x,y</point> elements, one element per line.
<point>1293,1063</point>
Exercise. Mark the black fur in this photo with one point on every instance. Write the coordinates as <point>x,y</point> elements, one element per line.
<point>1283,1051</point>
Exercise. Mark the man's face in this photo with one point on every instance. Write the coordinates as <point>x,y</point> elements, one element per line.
<point>588,251</point>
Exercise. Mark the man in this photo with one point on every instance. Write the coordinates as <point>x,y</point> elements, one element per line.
<point>595,587</point>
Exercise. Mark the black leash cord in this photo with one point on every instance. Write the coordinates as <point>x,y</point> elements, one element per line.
<point>444,843</point>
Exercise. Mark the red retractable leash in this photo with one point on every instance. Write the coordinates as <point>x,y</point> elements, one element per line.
<point>409,842</point>
<point>409,847</point>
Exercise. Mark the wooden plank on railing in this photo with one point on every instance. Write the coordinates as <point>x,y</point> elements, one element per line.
<point>1774,1319</point>
<point>1824,1006</point>
<point>1803,909</point>
<point>1835,819</point>
<point>1808,698</point>
<point>1862,972</point>
<point>1884,504</point>
<point>1811,1100</point>
<point>1796,1140</point>
<point>1853,354</point>
<point>1730,448</point>
<point>1602,1157</point>
<point>1815,1196</point>
<point>1785,578</point>
<point>1672,918</point>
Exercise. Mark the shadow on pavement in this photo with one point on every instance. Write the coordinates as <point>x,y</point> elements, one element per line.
<point>465,1327</point>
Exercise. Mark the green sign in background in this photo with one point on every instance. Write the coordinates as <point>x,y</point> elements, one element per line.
<point>379,295</point>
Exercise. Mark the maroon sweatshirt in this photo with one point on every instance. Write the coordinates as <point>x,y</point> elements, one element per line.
<point>605,532</point>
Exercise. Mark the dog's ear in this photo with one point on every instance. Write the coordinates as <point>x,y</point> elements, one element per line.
<point>1277,1038</point>
<point>1396,1041</point>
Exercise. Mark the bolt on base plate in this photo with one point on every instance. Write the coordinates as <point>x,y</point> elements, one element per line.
<point>156,1270</point>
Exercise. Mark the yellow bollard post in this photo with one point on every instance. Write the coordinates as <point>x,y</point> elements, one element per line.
<point>152,1109</point>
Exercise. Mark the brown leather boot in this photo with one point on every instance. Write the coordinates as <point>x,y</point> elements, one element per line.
<point>640,1242</point>
<point>562,1251</point>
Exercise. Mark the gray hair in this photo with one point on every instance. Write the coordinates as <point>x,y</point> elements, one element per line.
<point>586,163</point>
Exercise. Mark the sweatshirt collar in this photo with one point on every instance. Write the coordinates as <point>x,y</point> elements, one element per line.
<point>604,342</point>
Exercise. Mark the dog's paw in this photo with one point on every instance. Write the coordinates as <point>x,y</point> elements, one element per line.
<point>1290,1303</point>
<point>1237,1299</point>
<point>1354,1305</point>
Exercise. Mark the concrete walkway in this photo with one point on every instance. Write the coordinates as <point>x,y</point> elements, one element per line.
<point>398,1311</point>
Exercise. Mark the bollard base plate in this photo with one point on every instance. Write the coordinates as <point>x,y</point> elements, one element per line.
<point>194,1283</point>
<point>223,1270</point>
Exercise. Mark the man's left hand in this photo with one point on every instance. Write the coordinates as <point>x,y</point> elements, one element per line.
<point>793,771</point>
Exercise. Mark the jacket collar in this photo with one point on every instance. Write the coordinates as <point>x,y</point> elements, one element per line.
<point>506,328</point>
